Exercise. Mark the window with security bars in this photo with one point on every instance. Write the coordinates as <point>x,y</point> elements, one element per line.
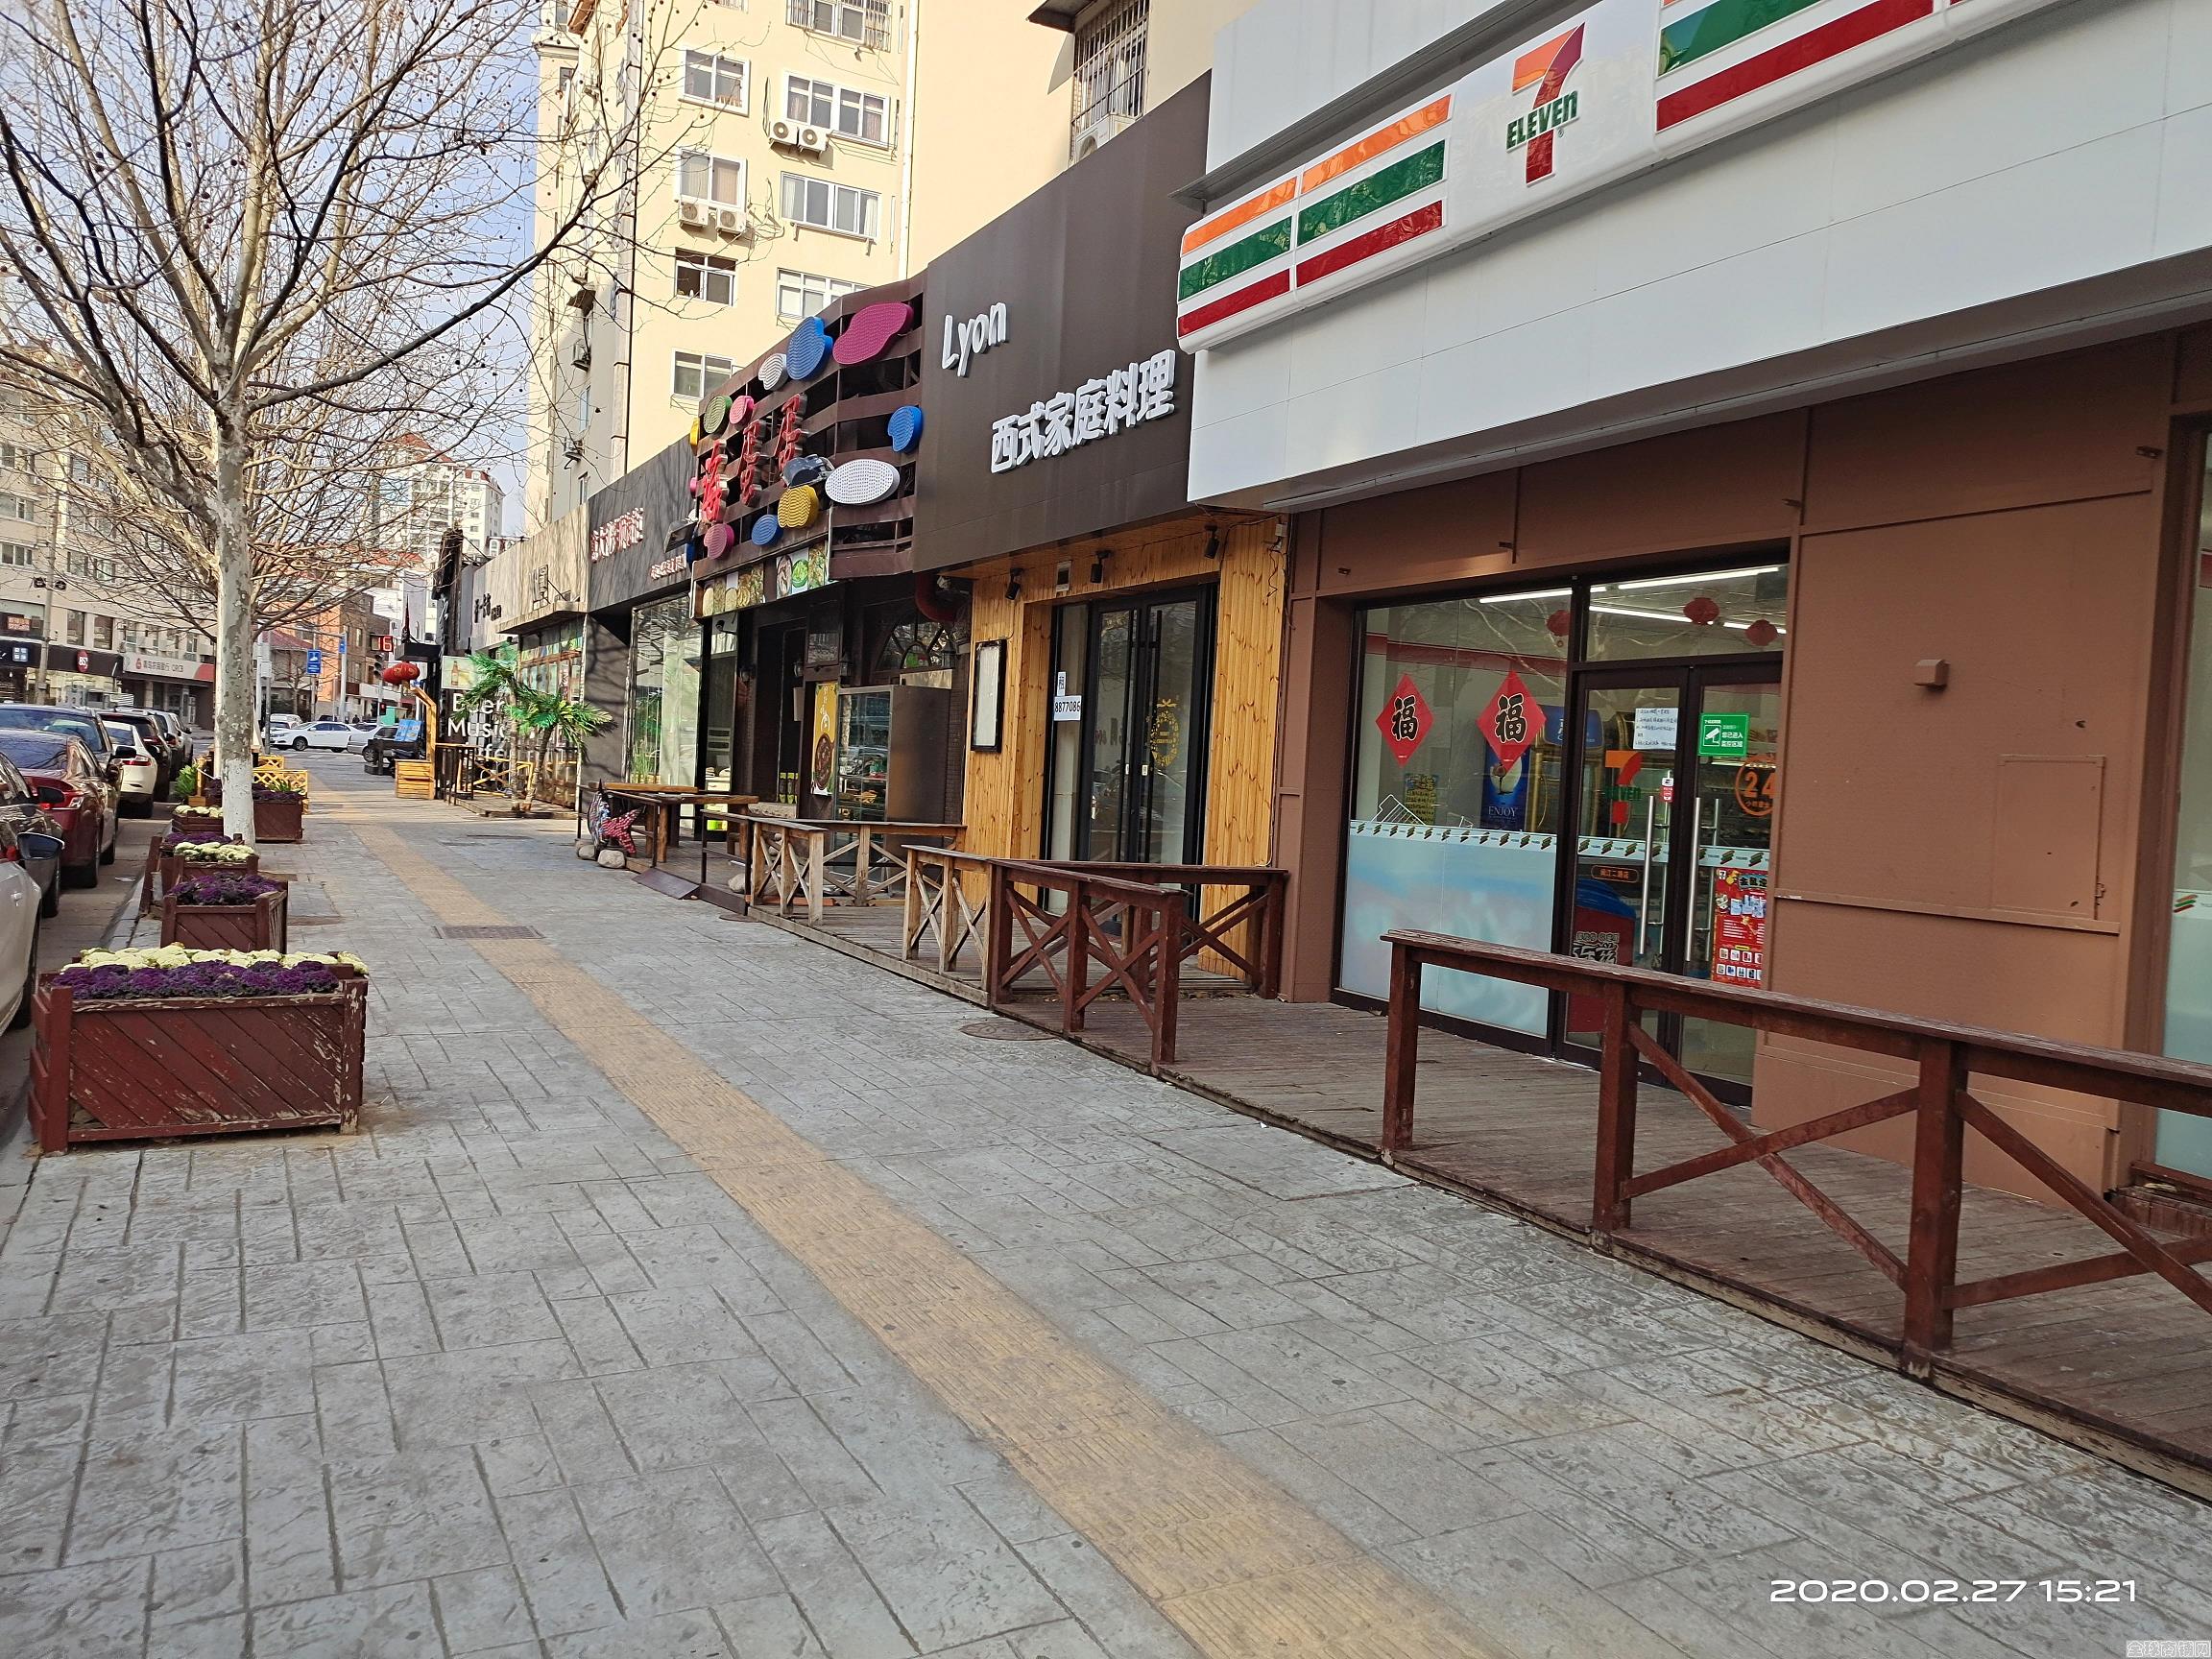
<point>1109,74</point>
<point>711,79</point>
<point>831,206</point>
<point>867,22</point>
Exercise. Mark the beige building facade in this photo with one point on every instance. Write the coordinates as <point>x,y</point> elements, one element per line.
<point>741,165</point>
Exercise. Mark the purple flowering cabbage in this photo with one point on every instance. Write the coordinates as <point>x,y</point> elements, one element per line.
<point>242,888</point>
<point>177,838</point>
<point>111,983</point>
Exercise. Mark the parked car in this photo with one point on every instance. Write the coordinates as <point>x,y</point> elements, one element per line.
<point>85,726</point>
<point>138,782</point>
<point>275,729</point>
<point>149,734</point>
<point>21,810</point>
<point>318,735</point>
<point>359,731</point>
<point>67,781</point>
<point>180,738</point>
<point>19,913</point>
<point>394,739</point>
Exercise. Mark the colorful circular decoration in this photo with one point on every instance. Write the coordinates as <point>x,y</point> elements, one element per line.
<point>696,434</point>
<point>718,413</point>
<point>807,349</point>
<point>862,483</point>
<point>806,470</point>
<point>871,328</point>
<point>765,530</point>
<point>772,372</point>
<point>740,409</point>
<point>906,427</point>
<point>719,537</point>
<point>799,508</point>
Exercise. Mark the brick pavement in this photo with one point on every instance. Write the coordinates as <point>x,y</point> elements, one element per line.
<point>696,1291</point>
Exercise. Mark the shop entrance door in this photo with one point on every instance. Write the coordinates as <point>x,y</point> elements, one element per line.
<point>1675,813</point>
<point>1129,760</point>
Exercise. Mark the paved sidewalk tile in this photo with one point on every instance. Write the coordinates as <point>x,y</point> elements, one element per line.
<point>516,1372</point>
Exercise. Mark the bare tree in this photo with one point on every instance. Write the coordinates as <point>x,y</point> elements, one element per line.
<point>244,238</point>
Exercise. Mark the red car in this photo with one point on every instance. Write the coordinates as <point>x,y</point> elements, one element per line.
<point>66,781</point>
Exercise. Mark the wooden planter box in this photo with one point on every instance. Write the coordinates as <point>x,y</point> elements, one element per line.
<point>280,820</point>
<point>104,1071</point>
<point>163,869</point>
<point>261,925</point>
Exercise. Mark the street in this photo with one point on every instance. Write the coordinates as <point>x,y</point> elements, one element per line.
<point>694,1291</point>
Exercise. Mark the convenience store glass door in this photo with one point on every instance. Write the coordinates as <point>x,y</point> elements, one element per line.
<point>1674,820</point>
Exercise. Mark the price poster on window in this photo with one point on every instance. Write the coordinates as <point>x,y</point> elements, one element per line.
<point>1740,926</point>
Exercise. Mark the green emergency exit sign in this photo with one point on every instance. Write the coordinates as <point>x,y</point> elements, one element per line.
<point>1724,736</point>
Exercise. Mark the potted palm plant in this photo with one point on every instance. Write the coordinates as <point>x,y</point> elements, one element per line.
<point>541,719</point>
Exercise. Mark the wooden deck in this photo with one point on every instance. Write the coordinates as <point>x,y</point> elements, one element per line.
<point>2123,1368</point>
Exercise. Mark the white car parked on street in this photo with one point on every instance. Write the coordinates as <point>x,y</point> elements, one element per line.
<point>139,779</point>
<point>316,735</point>
<point>19,896</point>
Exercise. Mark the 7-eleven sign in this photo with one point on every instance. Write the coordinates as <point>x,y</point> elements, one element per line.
<point>1546,68</point>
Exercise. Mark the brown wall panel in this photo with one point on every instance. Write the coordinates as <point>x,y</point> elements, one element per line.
<point>2053,429</point>
<point>1714,486</point>
<point>1457,532</point>
<point>2012,789</point>
<point>2193,367</point>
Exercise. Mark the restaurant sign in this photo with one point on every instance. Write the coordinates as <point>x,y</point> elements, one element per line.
<point>1626,86</point>
<point>619,534</point>
<point>1100,407</point>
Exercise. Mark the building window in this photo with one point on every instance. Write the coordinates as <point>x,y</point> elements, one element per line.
<point>695,374</point>
<point>19,554</point>
<point>1109,75</point>
<point>716,79</point>
<point>801,293</point>
<point>704,178</point>
<point>828,206</point>
<point>74,623</point>
<point>104,633</point>
<point>867,21</point>
<point>707,276</point>
<point>15,458</point>
<point>20,507</point>
<point>856,115</point>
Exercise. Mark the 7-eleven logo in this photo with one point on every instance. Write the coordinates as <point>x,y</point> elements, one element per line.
<point>1546,68</point>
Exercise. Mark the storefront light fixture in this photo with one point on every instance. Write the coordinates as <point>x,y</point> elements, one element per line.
<point>1675,616</point>
<point>1523,598</point>
<point>1702,576</point>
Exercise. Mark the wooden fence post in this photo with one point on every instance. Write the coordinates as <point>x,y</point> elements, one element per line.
<point>1938,1146</point>
<point>1616,1116</point>
<point>1075,960</point>
<point>996,908</point>
<point>1402,1053</point>
<point>1167,978</point>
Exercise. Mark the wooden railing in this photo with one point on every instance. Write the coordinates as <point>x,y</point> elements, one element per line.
<point>814,862</point>
<point>948,899</point>
<point>1233,914</point>
<point>1131,931</point>
<point>1945,1057</point>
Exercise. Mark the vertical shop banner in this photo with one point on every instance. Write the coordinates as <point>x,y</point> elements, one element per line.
<point>825,747</point>
<point>1405,720</point>
<point>1740,926</point>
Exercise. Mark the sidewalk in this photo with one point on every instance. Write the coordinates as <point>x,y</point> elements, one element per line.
<point>696,1291</point>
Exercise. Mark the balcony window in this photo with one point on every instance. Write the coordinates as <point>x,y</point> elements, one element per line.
<point>704,178</point>
<point>831,206</point>
<point>711,79</point>
<point>868,22</point>
<point>860,116</point>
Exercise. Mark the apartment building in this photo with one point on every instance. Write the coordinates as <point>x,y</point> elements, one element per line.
<point>424,492</point>
<point>755,161</point>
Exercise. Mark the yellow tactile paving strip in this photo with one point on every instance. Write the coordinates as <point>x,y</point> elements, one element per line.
<point>1241,1567</point>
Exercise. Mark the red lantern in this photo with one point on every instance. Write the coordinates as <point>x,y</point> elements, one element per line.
<point>1702,611</point>
<point>1560,621</point>
<point>1762,633</point>
<point>401,674</point>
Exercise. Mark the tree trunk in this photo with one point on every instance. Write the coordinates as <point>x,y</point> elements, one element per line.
<point>234,682</point>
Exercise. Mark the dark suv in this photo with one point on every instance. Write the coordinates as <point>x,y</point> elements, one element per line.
<point>393,740</point>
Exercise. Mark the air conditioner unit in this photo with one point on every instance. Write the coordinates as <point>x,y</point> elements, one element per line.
<point>796,135</point>
<point>1097,131</point>
<point>696,215</point>
<point>732,221</point>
